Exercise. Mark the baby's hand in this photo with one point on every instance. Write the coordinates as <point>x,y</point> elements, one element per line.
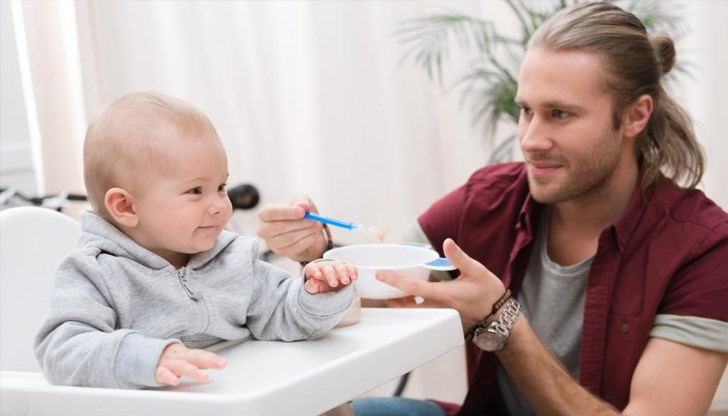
<point>328,275</point>
<point>177,361</point>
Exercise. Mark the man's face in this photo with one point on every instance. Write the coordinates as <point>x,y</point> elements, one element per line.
<point>565,128</point>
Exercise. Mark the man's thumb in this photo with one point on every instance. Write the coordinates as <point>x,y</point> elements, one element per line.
<point>457,257</point>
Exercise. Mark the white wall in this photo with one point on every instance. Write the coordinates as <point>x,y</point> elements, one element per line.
<point>703,94</point>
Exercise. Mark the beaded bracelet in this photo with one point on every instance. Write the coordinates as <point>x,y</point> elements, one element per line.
<point>482,323</point>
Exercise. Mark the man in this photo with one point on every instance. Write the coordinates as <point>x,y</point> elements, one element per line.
<point>616,264</point>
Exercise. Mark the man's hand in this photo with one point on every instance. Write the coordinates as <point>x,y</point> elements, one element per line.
<point>472,294</point>
<point>328,276</point>
<point>288,234</point>
<point>177,361</point>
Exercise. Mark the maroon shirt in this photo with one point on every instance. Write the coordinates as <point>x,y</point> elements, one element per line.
<point>667,254</point>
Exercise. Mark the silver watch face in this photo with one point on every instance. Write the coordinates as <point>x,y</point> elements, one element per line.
<point>489,341</point>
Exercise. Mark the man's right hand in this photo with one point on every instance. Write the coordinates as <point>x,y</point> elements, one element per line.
<point>288,234</point>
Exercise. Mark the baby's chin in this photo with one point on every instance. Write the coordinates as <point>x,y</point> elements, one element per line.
<point>208,246</point>
<point>202,246</point>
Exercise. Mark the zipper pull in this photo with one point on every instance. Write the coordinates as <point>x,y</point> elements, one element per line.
<point>183,283</point>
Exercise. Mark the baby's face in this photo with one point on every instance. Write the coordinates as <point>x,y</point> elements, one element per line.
<point>183,205</point>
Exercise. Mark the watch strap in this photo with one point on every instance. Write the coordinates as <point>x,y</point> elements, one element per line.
<point>494,337</point>
<point>507,319</point>
<point>483,322</point>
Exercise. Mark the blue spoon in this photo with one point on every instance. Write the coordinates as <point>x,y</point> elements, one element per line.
<point>377,232</point>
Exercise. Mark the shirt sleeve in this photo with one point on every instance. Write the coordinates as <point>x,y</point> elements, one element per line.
<point>708,334</point>
<point>442,220</point>
<point>700,287</point>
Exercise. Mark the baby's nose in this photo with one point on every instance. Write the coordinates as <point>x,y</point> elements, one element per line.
<point>217,206</point>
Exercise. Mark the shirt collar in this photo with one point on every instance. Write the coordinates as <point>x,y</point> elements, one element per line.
<point>529,209</point>
<point>623,227</point>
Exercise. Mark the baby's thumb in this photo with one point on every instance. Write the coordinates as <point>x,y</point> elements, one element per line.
<point>312,286</point>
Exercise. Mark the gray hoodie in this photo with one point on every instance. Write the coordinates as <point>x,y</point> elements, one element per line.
<point>115,306</point>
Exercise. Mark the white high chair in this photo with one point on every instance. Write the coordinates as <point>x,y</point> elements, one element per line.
<point>263,377</point>
<point>33,241</point>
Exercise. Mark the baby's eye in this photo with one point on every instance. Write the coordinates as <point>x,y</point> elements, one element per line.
<point>196,190</point>
<point>559,114</point>
<point>222,187</point>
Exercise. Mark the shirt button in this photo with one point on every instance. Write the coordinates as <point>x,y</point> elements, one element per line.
<point>624,328</point>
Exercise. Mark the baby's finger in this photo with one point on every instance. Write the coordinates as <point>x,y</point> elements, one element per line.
<point>313,271</point>
<point>342,270</point>
<point>183,368</point>
<point>353,272</point>
<point>206,359</point>
<point>330,274</point>
<point>166,376</point>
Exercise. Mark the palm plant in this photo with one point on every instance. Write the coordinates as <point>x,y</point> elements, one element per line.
<point>489,80</point>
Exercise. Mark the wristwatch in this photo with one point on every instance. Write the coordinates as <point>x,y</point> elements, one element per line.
<point>493,337</point>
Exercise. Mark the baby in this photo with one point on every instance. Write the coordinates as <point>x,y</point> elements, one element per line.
<point>156,276</point>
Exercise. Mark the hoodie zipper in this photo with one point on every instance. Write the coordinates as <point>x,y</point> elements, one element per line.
<point>183,282</point>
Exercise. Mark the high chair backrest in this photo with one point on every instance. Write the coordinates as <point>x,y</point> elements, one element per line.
<point>33,241</point>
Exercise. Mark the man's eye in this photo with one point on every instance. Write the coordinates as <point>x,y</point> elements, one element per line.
<point>525,110</point>
<point>195,191</point>
<point>559,114</point>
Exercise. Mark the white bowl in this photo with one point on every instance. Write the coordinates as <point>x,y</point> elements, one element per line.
<point>410,260</point>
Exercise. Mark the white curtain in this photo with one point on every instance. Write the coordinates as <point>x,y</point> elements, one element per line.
<point>48,58</point>
<point>307,96</point>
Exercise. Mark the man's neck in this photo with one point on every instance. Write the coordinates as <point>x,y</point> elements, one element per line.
<point>575,226</point>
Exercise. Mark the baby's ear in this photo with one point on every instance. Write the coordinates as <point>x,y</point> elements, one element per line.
<point>119,203</point>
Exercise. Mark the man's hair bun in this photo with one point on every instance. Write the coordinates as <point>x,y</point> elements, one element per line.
<point>664,48</point>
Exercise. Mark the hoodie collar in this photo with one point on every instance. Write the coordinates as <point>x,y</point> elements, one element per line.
<point>102,235</point>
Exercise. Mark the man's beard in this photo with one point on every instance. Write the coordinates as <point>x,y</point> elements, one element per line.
<point>586,176</point>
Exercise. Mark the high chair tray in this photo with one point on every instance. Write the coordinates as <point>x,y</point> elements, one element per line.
<point>265,377</point>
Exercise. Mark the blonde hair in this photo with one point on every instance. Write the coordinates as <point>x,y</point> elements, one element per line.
<point>123,142</point>
<point>634,64</point>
